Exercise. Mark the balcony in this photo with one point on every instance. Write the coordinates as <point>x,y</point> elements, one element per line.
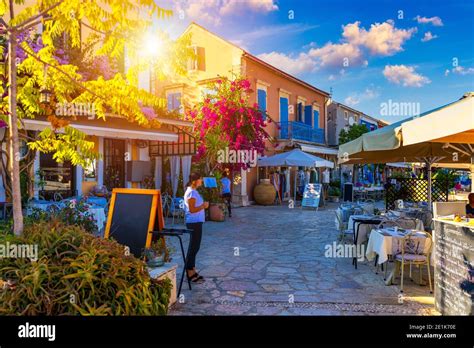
<point>301,131</point>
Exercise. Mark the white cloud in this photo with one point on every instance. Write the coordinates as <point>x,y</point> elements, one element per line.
<point>211,11</point>
<point>406,75</point>
<point>368,94</point>
<point>460,70</point>
<point>382,39</point>
<point>436,21</point>
<point>292,65</point>
<point>336,55</point>
<point>233,6</point>
<point>428,37</point>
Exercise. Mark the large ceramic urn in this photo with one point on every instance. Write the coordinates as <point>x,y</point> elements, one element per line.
<point>264,193</point>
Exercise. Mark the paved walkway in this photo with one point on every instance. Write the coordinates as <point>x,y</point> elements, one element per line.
<point>271,261</point>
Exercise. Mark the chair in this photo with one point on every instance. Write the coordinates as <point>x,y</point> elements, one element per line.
<point>342,227</point>
<point>166,203</point>
<point>407,223</point>
<point>177,209</point>
<point>413,253</point>
<point>369,206</point>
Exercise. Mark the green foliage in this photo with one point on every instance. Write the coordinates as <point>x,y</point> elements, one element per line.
<point>75,212</point>
<point>65,63</point>
<point>448,176</point>
<point>334,191</point>
<point>355,131</point>
<point>335,183</point>
<point>77,274</point>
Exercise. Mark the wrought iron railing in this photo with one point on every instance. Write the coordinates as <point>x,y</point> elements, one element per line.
<point>301,131</point>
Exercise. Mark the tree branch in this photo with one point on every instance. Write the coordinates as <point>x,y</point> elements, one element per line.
<point>39,15</point>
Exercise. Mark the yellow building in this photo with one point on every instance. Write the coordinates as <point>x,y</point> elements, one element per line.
<point>297,107</point>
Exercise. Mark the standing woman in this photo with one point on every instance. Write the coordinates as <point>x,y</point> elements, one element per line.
<point>195,216</point>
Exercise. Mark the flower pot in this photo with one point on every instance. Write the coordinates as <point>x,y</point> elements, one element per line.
<point>217,212</point>
<point>264,193</point>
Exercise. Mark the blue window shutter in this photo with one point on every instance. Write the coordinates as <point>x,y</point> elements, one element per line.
<point>307,114</point>
<point>262,101</point>
<point>316,118</point>
<point>283,109</point>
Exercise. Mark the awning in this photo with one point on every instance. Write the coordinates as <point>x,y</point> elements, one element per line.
<point>118,133</point>
<point>453,124</point>
<point>318,149</point>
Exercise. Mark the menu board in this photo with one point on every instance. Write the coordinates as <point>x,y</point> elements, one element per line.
<point>454,269</point>
<point>311,196</point>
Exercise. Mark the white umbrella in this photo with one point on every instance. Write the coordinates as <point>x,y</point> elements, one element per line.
<point>295,158</point>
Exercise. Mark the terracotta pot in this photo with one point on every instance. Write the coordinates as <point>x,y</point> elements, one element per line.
<point>264,193</point>
<point>217,212</point>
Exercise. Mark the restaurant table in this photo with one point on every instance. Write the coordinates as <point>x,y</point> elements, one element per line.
<point>362,220</point>
<point>387,242</point>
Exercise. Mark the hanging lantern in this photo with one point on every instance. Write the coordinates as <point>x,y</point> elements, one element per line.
<point>45,96</point>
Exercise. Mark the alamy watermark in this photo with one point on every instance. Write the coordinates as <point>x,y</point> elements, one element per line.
<point>76,109</point>
<point>393,108</point>
<point>29,251</point>
<point>337,250</point>
<point>227,155</point>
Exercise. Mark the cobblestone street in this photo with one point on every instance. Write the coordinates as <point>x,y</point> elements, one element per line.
<point>271,261</point>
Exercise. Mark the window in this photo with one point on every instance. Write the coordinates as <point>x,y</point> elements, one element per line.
<point>262,101</point>
<point>299,112</point>
<point>174,101</point>
<point>199,61</point>
<point>346,115</point>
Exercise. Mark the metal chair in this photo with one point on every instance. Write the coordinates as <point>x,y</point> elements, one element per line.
<point>413,253</point>
<point>407,223</point>
<point>177,209</point>
<point>343,228</point>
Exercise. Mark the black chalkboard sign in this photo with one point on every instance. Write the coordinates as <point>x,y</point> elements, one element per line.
<point>348,192</point>
<point>454,269</point>
<point>132,215</point>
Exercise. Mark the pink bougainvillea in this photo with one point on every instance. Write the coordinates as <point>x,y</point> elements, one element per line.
<point>224,119</point>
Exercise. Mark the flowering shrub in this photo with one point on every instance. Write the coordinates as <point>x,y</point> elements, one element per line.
<point>225,119</point>
<point>73,212</point>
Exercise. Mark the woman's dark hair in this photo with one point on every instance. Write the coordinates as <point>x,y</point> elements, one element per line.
<point>193,177</point>
<point>470,197</point>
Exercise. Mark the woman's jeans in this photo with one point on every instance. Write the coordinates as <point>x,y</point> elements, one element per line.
<point>194,244</point>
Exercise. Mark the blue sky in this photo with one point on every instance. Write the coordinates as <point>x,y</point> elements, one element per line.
<point>366,52</point>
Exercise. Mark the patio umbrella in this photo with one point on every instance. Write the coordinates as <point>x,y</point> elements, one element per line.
<point>294,158</point>
<point>387,145</point>
<point>453,127</point>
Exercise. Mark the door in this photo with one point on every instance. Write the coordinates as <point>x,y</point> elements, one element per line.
<point>114,163</point>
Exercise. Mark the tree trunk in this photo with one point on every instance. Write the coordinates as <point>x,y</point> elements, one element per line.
<point>14,163</point>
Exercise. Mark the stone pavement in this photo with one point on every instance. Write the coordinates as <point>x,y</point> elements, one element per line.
<point>271,261</point>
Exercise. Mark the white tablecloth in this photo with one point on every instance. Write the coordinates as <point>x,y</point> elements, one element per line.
<point>385,242</point>
<point>99,216</point>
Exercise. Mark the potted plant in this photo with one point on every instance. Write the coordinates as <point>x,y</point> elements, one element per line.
<point>334,193</point>
<point>213,195</point>
<point>157,254</point>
